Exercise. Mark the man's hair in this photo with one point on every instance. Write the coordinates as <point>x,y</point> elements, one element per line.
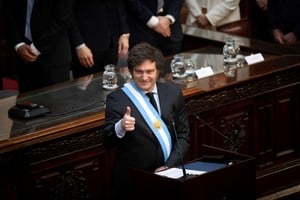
<point>142,52</point>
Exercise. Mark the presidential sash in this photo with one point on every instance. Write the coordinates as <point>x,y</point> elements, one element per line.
<point>150,115</point>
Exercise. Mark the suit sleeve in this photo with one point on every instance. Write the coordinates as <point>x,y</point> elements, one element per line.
<point>11,15</point>
<point>141,12</point>
<point>194,7</point>
<point>74,31</point>
<point>57,22</point>
<point>221,10</point>
<point>122,17</point>
<point>113,113</point>
<point>173,7</point>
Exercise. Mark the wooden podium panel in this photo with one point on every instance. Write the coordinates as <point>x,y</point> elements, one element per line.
<point>233,178</point>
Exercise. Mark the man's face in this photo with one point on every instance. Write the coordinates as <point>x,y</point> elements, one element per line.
<point>145,75</point>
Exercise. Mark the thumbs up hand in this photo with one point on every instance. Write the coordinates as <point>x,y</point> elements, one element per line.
<point>128,122</point>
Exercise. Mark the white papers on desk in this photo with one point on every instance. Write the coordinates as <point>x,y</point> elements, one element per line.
<point>254,58</point>
<point>204,71</point>
<point>176,173</point>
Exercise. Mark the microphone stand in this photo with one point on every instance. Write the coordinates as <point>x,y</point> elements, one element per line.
<point>234,145</point>
<point>179,149</point>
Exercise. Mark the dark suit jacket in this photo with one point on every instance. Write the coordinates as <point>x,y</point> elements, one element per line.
<point>50,21</point>
<point>285,15</point>
<point>98,23</point>
<point>140,11</point>
<point>140,148</point>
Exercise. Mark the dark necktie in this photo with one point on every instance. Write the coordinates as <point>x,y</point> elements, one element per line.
<point>152,100</point>
<point>28,19</point>
<point>160,5</point>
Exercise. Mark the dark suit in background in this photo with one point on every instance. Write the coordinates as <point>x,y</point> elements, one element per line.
<point>99,25</point>
<point>140,11</point>
<point>259,19</point>
<point>284,16</point>
<point>50,21</point>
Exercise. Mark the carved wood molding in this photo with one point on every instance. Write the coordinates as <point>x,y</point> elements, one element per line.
<point>71,185</point>
<point>76,142</point>
<point>259,86</point>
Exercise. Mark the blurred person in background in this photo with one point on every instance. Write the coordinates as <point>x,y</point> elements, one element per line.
<point>284,21</point>
<point>212,13</point>
<point>157,22</point>
<point>38,31</point>
<point>99,35</point>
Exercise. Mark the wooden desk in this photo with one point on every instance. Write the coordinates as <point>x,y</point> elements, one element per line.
<point>40,156</point>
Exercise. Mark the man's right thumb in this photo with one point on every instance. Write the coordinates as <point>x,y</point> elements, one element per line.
<point>128,111</point>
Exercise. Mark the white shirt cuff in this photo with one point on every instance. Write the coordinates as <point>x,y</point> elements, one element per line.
<point>125,35</point>
<point>152,22</point>
<point>171,18</point>
<point>35,50</point>
<point>118,129</point>
<point>18,45</point>
<point>80,46</point>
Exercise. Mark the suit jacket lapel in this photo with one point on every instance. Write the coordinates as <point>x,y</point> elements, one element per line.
<point>163,101</point>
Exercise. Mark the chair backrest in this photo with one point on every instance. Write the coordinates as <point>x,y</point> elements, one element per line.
<point>240,27</point>
<point>184,13</point>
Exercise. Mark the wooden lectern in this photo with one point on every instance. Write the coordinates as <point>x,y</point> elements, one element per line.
<point>228,175</point>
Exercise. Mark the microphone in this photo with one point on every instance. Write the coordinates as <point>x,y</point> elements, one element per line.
<point>179,149</point>
<point>236,139</point>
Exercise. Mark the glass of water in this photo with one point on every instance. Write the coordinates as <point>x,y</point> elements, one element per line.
<point>109,79</point>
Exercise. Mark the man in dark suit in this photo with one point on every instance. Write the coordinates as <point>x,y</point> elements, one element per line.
<point>155,23</point>
<point>99,35</point>
<point>284,20</point>
<point>44,54</point>
<point>144,137</point>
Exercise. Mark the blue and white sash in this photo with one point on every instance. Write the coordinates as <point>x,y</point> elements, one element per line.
<point>151,116</point>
